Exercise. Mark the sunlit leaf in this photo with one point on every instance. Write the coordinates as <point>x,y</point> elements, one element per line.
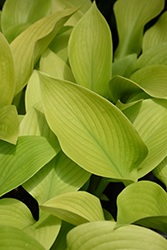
<point>156,34</point>
<point>22,14</point>
<point>53,65</point>
<point>143,203</point>
<point>90,52</point>
<point>7,73</point>
<point>91,131</point>
<point>131,17</point>
<point>16,214</point>
<point>9,124</point>
<point>14,238</point>
<point>21,162</point>
<point>75,207</point>
<point>161,171</point>
<point>59,176</point>
<point>101,235</point>
<point>31,43</point>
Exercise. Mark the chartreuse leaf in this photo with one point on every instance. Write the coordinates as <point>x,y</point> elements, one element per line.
<point>75,207</point>
<point>21,162</point>
<point>91,130</point>
<point>143,203</point>
<point>59,176</point>
<point>9,124</point>
<point>7,73</point>
<point>22,14</point>
<point>34,123</point>
<point>13,238</point>
<point>155,55</point>
<point>33,92</point>
<point>149,117</point>
<point>161,171</point>
<point>156,34</point>
<point>53,65</point>
<point>131,17</point>
<point>90,52</point>
<point>31,43</point>
<point>16,214</point>
<point>101,235</point>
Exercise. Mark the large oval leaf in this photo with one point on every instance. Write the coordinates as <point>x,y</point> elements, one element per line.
<point>92,131</point>
<point>90,52</point>
<point>101,235</point>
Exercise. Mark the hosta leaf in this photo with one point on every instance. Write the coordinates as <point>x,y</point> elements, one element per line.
<point>140,201</point>
<point>131,17</point>
<point>59,176</point>
<point>22,13</point>
<point>75,207</point>
<point>34,123</point>
<point>91,131</point>
<point>13,238</point>
<point>7,73</point>
<point>90,52</point>
<point>31,43</point>
<point>161,171</point>
<point>155,55</point>
<point>53,65</point>
<point>149,117</point>
<point>20,162</point>
<point>156,34</point>
<point>9,124</point>
<point>16,214</point>
<point>101,235</point>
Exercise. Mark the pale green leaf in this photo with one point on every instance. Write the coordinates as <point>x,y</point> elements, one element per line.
<point>16,214</point>
<point>31,43</point>
<point>149,117</point>
<point>9,124</point>
<point>34,123</point>
<point>161,171</point>
<point>155,55</point>
<point>33,92</point>
<point>156,34</point>
<point>14,238</point>
<point>21,162</point>
<point>7,73</point>
<point>131,17</point>
<point>140,201</point>
<point>90,52</point>
<point>59,176</point>
<point>75,207</point>
<point>53,65</point>
<point>92,131</point>
<point>100,235</point>
<point>17,13</point>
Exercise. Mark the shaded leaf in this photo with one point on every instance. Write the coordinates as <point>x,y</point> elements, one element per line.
<point>161,171</point>
<point>75,207</point>
<point>101,235</point>
<point>90,52</point>
<point>21,162</point>
<point>9,124</point>
<point>7,73</point>
<point>91,131</point>
<point>131,17</point>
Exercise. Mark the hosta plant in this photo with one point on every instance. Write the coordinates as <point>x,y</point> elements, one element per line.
<point>76,116</point>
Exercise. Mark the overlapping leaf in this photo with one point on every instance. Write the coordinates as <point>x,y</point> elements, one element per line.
<point>161,171</point>
<point>144,203</point>
<point>31,43</point>
<point>92,131</point>
<point>7,73</point>
<point>131,17</point>
<point>90,52</point>
<point>21,162</point>
<point>75,207</point>
<point>101,235</point>
<point>59,176</point>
